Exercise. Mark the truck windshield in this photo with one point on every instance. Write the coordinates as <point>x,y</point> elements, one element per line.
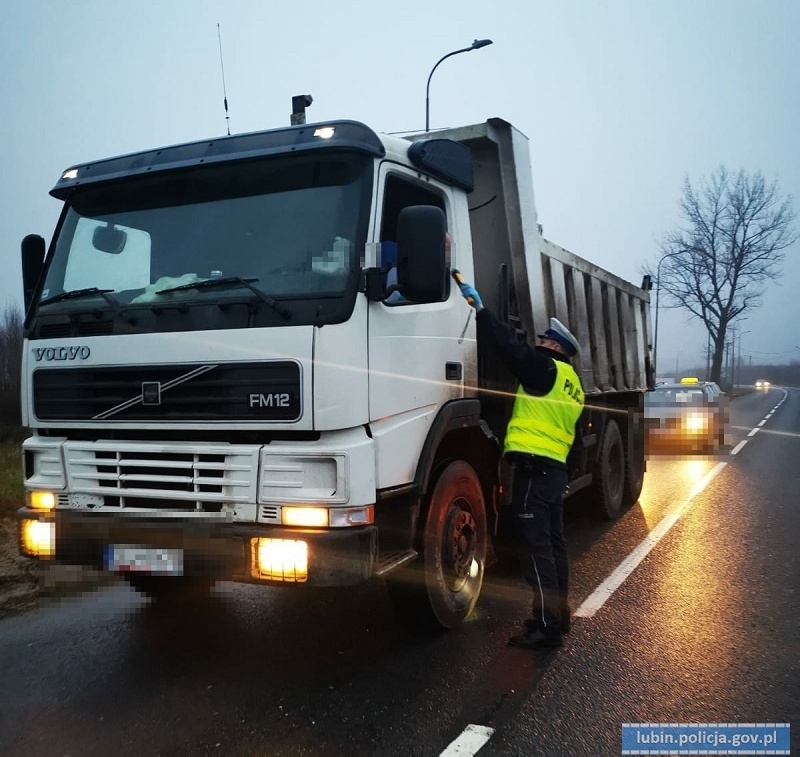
<point>292,223</point>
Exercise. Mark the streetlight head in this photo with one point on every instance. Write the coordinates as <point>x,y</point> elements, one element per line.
<point>476,45</point>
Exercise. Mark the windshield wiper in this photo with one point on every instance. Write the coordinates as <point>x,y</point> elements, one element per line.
<point>245,282</point>
<point>76,294</point>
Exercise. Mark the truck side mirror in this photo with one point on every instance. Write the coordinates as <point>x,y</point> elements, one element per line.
<point>32,265</point>
<point>421,259</point>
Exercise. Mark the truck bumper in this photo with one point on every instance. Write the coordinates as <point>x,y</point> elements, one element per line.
<point>221,550</point>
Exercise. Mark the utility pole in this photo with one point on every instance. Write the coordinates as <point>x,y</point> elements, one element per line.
<point>739,367</point>
<point>727,362</point>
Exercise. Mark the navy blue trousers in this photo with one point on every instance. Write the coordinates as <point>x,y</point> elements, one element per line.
<point>538,506</point>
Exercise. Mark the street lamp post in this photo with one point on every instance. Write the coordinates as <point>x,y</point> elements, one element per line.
<point>739,365</point>
<point>476,45</point>
<point>658,290</point>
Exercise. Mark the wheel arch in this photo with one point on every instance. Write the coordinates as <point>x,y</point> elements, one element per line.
<point>457,433</point>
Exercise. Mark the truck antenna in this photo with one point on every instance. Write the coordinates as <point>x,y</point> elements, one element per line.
<point>224,92</point>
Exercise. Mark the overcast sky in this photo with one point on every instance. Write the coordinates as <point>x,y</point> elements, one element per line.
<point>621,101</point>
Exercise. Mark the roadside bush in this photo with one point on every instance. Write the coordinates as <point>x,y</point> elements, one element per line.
<point>12,491</point>
<point>11,322</point>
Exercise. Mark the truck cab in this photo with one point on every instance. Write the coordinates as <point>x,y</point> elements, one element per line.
<point>244,359</point>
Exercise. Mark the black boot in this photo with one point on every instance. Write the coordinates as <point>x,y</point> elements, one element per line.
<point>566,624</point>
<point>535,638</point>
<point>566,617</point>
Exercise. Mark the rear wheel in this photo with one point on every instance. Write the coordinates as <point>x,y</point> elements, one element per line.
<point>634,463</point>
<point>609,483</point>
<point>453,552</point>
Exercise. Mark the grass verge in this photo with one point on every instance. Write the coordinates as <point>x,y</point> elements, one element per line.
<point>24,581</point>
<point>19,577</point>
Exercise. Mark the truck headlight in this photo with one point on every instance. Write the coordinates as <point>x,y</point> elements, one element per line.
<point>42,500</point>
<point>310,517</point>
<point>37,538</point>
<point>322,517</point>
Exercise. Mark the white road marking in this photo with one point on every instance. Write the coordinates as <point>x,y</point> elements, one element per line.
<point>471,739</point>
<point>761,423</point>
<point>735,450</point>
<point>599,596</point>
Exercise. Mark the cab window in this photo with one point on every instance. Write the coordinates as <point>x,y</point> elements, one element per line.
<point>400,193</point>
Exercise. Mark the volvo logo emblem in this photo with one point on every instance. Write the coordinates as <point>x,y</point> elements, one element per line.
<point>151,393</point>
<point>79,352</point>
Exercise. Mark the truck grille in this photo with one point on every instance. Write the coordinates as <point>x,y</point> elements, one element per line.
<point>267,391</point>
<point>71,328</point>
<point>177,477</point>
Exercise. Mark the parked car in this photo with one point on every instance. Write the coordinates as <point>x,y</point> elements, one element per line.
<point>763,384</point>
<point>687,416</point>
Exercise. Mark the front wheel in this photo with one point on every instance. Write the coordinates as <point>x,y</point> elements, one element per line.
<point>455,543</point>
<point>454,547</point>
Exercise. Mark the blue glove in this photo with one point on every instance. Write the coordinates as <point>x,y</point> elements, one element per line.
<point>468,292</point>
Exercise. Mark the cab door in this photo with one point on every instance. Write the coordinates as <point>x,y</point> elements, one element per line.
<point>416,350</point>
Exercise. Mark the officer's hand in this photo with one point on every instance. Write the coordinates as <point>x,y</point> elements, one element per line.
<point>468,292</point>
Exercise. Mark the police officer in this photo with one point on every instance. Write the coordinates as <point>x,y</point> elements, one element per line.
<point>538,440</point>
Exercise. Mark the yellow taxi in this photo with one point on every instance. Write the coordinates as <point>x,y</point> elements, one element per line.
<point>689,415</point>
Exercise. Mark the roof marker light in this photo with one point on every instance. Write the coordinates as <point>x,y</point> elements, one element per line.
<point>324,132</point>
<point>70,173</point>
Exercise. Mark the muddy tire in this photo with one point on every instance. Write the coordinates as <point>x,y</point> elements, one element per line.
<point>609,483</point>
<point>441,589</point>
<point>634,464</point>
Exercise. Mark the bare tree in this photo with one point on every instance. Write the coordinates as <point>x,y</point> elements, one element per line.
<point>11,322</point>
<point>730,243</point>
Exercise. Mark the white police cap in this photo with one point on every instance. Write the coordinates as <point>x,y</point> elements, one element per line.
<point>558,332</point>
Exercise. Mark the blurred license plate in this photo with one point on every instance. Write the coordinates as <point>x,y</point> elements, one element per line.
<point>133,558</point>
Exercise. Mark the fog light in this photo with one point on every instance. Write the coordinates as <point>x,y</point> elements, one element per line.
<point>38,538</point>
<point>313,517</point>
<point>42,500</point>
<point>280,559</point>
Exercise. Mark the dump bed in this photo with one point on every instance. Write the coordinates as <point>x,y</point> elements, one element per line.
<point>524,278</point>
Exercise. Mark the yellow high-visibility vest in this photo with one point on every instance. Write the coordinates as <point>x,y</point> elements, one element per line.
<point>546,425</point>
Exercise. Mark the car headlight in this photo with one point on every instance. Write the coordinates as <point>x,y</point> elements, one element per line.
<point>696,423</point>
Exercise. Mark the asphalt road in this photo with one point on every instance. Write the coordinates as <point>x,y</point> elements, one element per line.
<point>706,628</point>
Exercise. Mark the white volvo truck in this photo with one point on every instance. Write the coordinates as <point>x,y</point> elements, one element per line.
<point>245,360</point>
